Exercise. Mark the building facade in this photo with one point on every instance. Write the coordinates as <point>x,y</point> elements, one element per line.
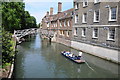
<point>58,26</point>
<point>96,28</point>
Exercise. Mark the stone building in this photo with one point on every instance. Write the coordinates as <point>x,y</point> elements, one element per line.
<point>58,26</point>
<point>96,28</point>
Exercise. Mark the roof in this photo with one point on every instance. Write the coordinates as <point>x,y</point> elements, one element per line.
<point>62,15</point>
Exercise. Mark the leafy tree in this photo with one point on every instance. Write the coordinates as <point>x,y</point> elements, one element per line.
<point>7,47</point>
<point>12,15</point>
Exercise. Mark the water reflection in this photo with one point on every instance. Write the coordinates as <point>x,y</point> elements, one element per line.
<point>41,59</point>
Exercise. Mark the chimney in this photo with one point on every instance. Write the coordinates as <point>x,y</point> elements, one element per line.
<point>59,7</point>
<point>47,13</point>
<point>51,11</point>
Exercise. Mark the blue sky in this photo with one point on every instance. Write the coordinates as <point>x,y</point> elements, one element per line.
<point>38,8</point>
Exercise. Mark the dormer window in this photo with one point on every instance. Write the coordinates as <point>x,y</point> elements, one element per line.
<point>85,3</point>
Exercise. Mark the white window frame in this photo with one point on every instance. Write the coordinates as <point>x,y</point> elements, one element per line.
<point>60,24</point>
<point>68,22</point>
<point>110,34</point>
<point>84,3</point>
<point>96,1</point>
<point>48,25</point>
<point>95,32</point>
<point>75,31</point>
<point>83,18</point>
<point>67,33</point>
<point>60,32</point>
<point>56,24</point>
<point>76,5</point>
<point>95,16</point>
<point>83,32</point>
<point>64,23</point>
<point>76,18</point>
<point>110,13</point>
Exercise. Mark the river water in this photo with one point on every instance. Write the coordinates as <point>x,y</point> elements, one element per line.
<point>38,58</point>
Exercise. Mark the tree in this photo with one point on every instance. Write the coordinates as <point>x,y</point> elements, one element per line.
<point>7,47</point>
<point>12,15</point>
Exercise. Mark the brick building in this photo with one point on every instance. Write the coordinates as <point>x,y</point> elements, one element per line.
<point>96,28</point>
<point>58,26</point>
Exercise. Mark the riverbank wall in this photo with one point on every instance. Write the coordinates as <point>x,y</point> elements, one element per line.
<point>104,53</point>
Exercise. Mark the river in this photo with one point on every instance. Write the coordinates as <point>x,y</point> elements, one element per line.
<point>38,58</point>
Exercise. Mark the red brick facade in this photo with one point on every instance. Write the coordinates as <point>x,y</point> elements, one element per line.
<point>58,25</point>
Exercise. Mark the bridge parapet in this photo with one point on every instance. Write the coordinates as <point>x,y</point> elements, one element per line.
<point>18,34</point>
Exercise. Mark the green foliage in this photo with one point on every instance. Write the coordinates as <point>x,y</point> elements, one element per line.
<point>14,17</point>
<point>7,48</point>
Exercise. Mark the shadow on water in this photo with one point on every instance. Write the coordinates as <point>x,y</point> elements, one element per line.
<point>41,59</point>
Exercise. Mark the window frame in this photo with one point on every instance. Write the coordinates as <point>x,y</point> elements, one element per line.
<point>95,16</point>
<point>83,32</point>
<point>109,34</point>
<point>96,1</point>
<point>76,6</point>
<point>110,13</point>
<point>84,3</point>
<point>95,32</point>
<point>75,31</point>
<point>83,18</point>
<point>76,18</point>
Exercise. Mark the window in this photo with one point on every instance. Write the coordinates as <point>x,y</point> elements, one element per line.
<point>85,3</point>
<point>75,31</point>
<point>67,33</point>
<point>111,34</point>
<point>76,5</point>
<point>96,1</point>
<point>47,24</point>
<point>113,14</point>
<point>60,32</point>
<point>96,16</point>
<point>60,24</point>
<point>95,33</point>
<point>56,24</point>
<point>64,23</point>
<point>68,23</point>
<point>84,20</point>
<point>76,18</point>
<point>83,32</point>
<point>63,33</point>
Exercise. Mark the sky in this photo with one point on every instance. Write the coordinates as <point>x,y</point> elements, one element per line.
<point>39,8</point>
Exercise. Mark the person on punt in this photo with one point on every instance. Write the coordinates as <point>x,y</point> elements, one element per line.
<point>79,56</point>
<point>67,53</point>
<point>71,55</point>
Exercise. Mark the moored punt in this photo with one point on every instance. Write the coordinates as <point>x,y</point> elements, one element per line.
<point>79,61</point>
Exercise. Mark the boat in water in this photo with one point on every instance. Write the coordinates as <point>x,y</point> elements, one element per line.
<point>72,57</point>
